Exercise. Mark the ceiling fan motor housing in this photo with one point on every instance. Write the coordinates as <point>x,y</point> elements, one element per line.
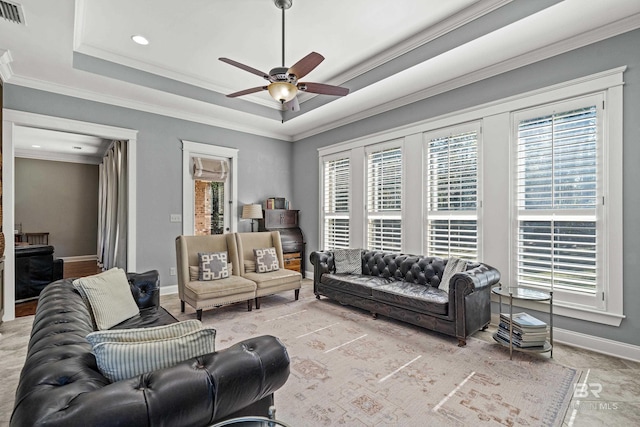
<point>283,4</point>
<point>281,74</point>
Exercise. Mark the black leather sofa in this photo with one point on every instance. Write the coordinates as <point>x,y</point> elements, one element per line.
<point>35,269</point>
<point>60,384</point>
<point>405,287</point>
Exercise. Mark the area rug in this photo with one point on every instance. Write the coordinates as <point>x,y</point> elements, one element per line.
<point>350,369</point>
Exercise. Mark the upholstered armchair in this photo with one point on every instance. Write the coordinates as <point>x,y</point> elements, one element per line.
<point>205,294</point>
<point>271,282</point>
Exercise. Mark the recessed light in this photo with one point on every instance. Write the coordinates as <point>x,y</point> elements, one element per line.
<point>140,39</point>
<point>35,146</point>
<point>75,147</point>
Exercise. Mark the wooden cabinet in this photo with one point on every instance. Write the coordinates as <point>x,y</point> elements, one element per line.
<point>286,222</point>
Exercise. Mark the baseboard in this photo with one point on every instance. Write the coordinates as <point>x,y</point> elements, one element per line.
<point>168,290</point>
<point>597,344</point>
<point>81,258</point>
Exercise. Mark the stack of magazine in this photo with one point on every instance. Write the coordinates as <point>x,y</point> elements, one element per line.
<point>528,331</point>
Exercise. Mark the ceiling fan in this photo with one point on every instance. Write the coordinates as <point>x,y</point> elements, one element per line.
<point>284,82</point>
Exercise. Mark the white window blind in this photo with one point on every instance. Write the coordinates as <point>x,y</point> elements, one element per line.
<point>557,186</point>
<point>451,194</point>
<point>384,199</point>
<point>336,203</point>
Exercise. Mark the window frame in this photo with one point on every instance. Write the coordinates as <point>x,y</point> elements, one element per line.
<point>449,131</point>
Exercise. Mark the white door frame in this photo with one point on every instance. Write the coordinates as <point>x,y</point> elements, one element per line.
<point>13,119</point>
<point>190,149</point>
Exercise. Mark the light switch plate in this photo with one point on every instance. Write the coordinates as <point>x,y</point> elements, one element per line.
<point>176,218</point>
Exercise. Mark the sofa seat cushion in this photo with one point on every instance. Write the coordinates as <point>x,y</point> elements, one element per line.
<point>357,284</point>
<point>148,317</point>
<point>412,296</point>
<point>232,285</point>
<point>272,279</point>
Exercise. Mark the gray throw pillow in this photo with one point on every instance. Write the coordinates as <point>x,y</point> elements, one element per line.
<point>348,261</point>
<point>266,260</point>
<point>212,266</point>
<point>454,265</point>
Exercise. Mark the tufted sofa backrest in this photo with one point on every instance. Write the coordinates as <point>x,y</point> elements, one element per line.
<point>410,268</point>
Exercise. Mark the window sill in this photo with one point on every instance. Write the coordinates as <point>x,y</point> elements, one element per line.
<point>561,309</point>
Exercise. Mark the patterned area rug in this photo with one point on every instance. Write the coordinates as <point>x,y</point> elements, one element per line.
<point>350,369</point>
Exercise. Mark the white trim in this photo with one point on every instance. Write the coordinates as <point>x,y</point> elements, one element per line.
<point>168,290</point>
<point>5,65</point>
<point>13,119</point>
<point>597,344</point>
<point>80,258</point>
<point>57,157</point>
<point>189,149</point>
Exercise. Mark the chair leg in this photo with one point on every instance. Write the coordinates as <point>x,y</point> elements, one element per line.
<point>199,314</point>
<point>257,303</point>
<point>249,305</point>
<point>297,294</point>
<point>181,306</point>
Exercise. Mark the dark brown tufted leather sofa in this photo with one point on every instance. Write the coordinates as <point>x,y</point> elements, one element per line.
<point>60,384</point>
<point>405,287</point>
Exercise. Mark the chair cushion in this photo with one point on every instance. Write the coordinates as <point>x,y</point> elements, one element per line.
<point>274,278</point>
<point>266,260</point>
<point>213,266</point>
<point>232,285</point>
<point>122,360</point>
<point>109,296</point>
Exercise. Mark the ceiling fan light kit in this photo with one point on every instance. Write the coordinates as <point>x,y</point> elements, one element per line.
<point>283,82</point>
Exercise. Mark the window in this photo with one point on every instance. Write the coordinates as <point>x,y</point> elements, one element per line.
<point>451,193</point>
<point>209,207</point>
<point>336,203</point>
<point>384,199</point>
<point>558,185</point>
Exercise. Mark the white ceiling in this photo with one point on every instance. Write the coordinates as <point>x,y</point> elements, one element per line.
<point>389,53</point>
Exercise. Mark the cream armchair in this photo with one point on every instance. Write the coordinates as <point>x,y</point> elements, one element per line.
<point>211,293</point>
<point>271,282</point>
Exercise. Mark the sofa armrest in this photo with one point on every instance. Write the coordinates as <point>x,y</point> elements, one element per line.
<point>145,288</point>
<point>470,298</point>
<point>322,263</point>
<point>195,392</point>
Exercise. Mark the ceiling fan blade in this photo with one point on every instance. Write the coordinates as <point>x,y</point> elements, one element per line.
<point>246,68</point>
<point>306,65</point>
<point>292,105</point>
<point>247,91</point>
<point>323,89</point>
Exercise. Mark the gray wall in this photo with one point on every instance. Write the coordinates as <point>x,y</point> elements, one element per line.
<point>60,198</point>
<point>264,165</point>
<point>605,55</point>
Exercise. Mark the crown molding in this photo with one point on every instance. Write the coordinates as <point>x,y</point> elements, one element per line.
<point>602,33</point>
<point>145,107</point>
<point>5,65</point>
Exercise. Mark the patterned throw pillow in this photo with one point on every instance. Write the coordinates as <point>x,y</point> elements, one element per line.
<point>194,271</point>
<point>213,266</point>
<point>454,265</point>
<point>121,360</point>
<point>155,333</point>
<point>109,296</point>
<point>348,261</point>
<point>266,260</point>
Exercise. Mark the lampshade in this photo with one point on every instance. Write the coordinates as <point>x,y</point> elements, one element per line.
<point>282,91</point>
<point>252,212</point>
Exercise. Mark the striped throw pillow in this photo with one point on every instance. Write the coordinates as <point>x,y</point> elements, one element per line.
<point>121,360</point>
<point>109,296</point>
<point>145,334</point>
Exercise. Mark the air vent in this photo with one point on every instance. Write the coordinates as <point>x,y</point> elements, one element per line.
<point>12,12</point>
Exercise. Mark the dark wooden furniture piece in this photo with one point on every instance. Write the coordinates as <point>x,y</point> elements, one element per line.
<point>286,222</point>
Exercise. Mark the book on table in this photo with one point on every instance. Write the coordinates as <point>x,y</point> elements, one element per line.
<point>524,321</point>
<point>503,335</point>
<point>539,334</point>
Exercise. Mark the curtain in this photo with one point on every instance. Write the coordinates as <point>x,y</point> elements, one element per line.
<point>213,170</point>
<point>112,208</point>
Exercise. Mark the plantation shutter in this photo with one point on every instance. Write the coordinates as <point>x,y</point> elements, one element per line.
<point>336,203</point>
<point>451,164</point>
<point>557,200</point>
<point>384,199</point>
